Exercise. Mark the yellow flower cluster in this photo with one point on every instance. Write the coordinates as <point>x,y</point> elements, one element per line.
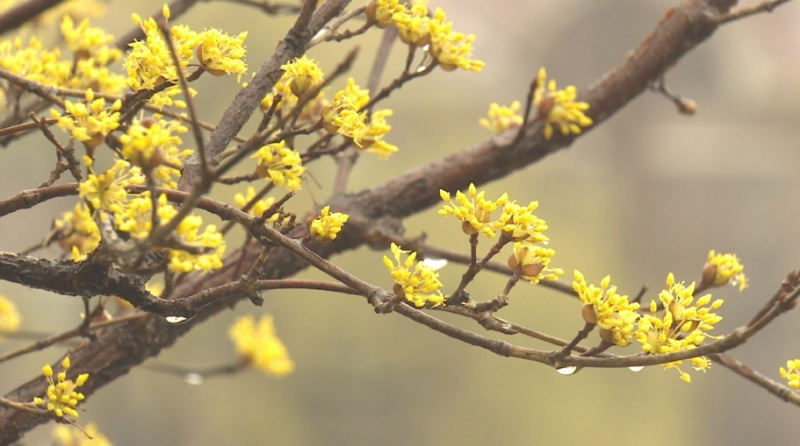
<point>419,286</point>
<point>377,127</point>
<point>149,62</point>
<point>89,122</point>
<point>299,76</point>
<point>604,307</point>
<point>259,345</point>
<point>35,63</point>
<point>90,75</point>
<point>558,107</point>
<point>450,48</point>
<point>327,225</point>
<point>107,190</point>
<point>520,224</point>
<point>258,207</point>
<point>77,232</point>
<point>792,373</point>
<point>281,164</point>
<point>474,212</point>
<point>78,9</point>
<point>9,316</point>
<point>88,68</point>
<point>502,118</point>
<point>61,395</point>
<point>382,11</point>
<point>302,74</point>
<point>516,223</point>
<point>92,54</point>
<point>209,240</point>
<point>89,42</point>
<point>533,261</point>
<point>207,246</point>
<point>721,269</point>
<point>221,54</point>
<point>344,116</point>
<point>73,436</point>
<point>683,326</point>
<point>152,144</point>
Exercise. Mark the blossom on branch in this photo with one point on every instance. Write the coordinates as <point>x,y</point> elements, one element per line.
<point>72,436</point>
<point>502,118</point>
<point>684,324</point>
<point>220,53</point>
<point>76,232</point>
<point>152,144</point>
<point>377,127</point>
<point>792,373</point>
<point>344,115</point>
<point>89,42</point>
<point>61,395</point>
<point>558,107</point>
<point>451,48</point>
<point>327,225</point>
<point>258,207</point>
<point>519,223</point>
<point>259,346</point>
<point>382,12</point>
<point>281,164</point>
<point>533,261</point>
<point>9,316</point>
<point>302,75</point>
<point>419,286</point>
<point>474,212</point>
<point>722,269</point>
<point>107,190</point>
<point>35,63</point>
<point>89,122</point>
<point>604,307</point>
<point>191,249</point>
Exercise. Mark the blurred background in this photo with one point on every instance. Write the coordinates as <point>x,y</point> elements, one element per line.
<point>648,192</point>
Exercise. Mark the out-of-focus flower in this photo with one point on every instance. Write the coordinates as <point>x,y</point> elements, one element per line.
<point>259,345</point>
<point>559,107</point>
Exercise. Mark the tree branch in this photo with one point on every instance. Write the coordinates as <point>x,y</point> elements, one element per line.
<point>124,346</point>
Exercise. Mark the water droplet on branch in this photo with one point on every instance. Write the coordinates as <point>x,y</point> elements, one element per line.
<point>175,319</point>
<point>194,379</point>
<point>569,370</point>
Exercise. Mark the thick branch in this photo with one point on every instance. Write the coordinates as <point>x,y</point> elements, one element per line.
<point>125,346</point>
<point>248,98</point>
<point>23,13</point>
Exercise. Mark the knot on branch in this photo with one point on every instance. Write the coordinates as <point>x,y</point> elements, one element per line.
<point>248,282</point>
<point>490,322</point>
<point>490,306</point>
<point>383,302</point>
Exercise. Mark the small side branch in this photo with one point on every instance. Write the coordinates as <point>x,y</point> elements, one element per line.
<point>767,6</point>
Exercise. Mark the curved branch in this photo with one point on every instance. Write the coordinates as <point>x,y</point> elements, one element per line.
<point>23,13</point>
<point>122,347</point>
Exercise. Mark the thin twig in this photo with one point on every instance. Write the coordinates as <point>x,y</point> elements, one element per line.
<point>198,134</point>
<point>767,6</point>
<point>329,32</point>
<point>69,334</point>
<point>783,392</point>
